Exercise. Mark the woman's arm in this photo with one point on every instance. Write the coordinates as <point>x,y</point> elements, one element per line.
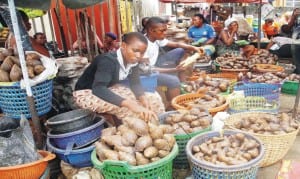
<point>227,39</point>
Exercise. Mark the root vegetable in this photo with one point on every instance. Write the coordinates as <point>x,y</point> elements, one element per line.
<point>155,131</point>
<point>163,153</point>
<point>150,152</point>
<point>113,140</point>
<point>129,137</point>
<point>110,154</point>
<point>109,131</point>
<point>155,159</point>
<point>170,139</point>
<point>140,159</point>
<point>123,156</point>
<point>138,125</point>
<point>143,142</point>
<point>99,150</point>
<point>162,144</point>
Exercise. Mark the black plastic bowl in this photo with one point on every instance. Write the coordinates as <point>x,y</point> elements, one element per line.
<point>70,121</point>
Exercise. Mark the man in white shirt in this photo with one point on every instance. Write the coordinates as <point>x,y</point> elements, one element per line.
<point>166,63</point>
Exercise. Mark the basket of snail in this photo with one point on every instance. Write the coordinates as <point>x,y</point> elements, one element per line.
<point>277,132</point>
<point>214,103</point>
<point>135,149</point>
<point>185,125</point>
<point>230,154</point>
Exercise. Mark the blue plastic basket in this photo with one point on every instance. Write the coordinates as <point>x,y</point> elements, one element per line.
<point>269,91</point>
<point>77,158</point>
<point>202,169</point>
<point>13,99</point>
<point>148,82</point>
<point>79,138</point>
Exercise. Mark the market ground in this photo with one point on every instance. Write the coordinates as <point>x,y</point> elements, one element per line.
<point>286,105</point>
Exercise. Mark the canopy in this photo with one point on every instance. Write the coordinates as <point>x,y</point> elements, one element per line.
<point>45,4</point>
<point>212,1</point>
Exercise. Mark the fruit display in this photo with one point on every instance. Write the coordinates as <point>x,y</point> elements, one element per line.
<point>136,142</point>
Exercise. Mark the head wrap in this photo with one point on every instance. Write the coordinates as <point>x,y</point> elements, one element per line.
<point>229,21</point>
<point>111,35</point>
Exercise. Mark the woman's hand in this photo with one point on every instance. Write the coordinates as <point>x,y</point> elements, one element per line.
<point>145,102</point>
<point>143,112</point>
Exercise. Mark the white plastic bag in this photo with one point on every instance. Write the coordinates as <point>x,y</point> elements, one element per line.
<point>49,72</point>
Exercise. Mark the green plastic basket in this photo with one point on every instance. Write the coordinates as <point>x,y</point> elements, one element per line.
<point>122,170</point>
<point>252,103</point>
<point>181,161</point>
<point>290,87</point>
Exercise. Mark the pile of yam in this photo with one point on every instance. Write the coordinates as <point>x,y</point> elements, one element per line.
<point>267,124</point>
<point>270,78</point>
<point>188,121</point>
<point>228,150</point>
<point>214,85</point>
<point>263,56</point>
<point>136,142</point>
<point>231,61</point>
<point>10,70</point>
<point>208,101</point>
<point>293,77</point>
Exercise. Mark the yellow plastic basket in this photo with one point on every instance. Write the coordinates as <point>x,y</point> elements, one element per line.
<point>276,146</point>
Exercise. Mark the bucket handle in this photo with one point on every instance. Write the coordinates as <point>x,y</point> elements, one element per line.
<point>69,148</point>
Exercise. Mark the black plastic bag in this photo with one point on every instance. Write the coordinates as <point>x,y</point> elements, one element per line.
<point>16,142</point>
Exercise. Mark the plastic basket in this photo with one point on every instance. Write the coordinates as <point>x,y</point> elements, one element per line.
<point>269,91</point>
<point>122,170</point>
<point>29,170</point>
<point>13,99</point>
<point>290,87</point>
<point>252,103</point>
<point>276,146</point>
<point>80,137</point>
<point>181,139</point>
<point>179,102</point>
<point>231,76</point>
<point>203,67</point>
<point>202,169</point>
<point>77,158</point>
<point>148,82</point>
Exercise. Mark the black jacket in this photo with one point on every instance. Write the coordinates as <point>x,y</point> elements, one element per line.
<point>102,73</point>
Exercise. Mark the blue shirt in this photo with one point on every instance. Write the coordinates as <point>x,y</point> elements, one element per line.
<point>205,31</point>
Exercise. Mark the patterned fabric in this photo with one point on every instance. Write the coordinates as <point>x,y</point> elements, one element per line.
<point>86,100</point>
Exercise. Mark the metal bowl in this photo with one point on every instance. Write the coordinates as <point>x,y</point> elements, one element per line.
<point>70,121</point>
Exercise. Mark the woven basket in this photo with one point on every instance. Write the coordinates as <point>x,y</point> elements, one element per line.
<point>202,169</point>
<point>268,68</point>
<point>179,102</point>
<point>181,160</point>
<point>235,71</point>
<point>252,103</point>
<point>13,99</point>
<point>276,146</point>
<point>231,76</point>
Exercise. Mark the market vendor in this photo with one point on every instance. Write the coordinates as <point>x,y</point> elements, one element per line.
<point>166,63</point>
<point>228,37</point>
<point>110,43</point>
<point>98,89</point>
<point>270,28</point>
<point>201,33</point>
<point>11,41</point>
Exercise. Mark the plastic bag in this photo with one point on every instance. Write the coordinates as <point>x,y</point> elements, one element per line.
<point>49,72</point>
<point>17,146</point>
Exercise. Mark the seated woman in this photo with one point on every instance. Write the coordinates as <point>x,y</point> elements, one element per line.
<point>98,89</point>
<point>227,38</point>
<point>201,33</point>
